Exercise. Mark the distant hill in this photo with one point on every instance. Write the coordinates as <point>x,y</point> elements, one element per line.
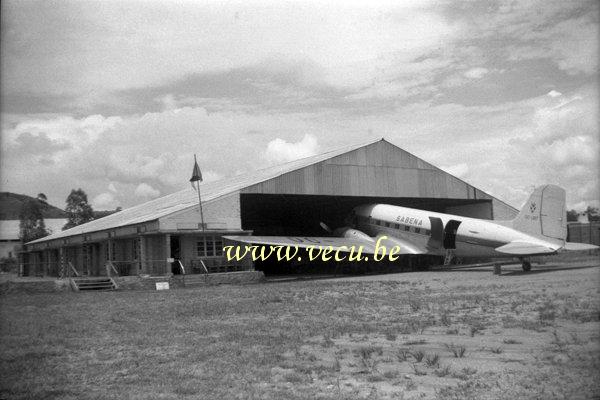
<point>10,206</point>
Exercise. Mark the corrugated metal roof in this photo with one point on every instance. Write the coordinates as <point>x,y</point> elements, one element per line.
<point>9,229</point>
<point>187,198</point>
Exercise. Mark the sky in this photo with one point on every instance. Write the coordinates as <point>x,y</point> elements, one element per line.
<point>116,97</point>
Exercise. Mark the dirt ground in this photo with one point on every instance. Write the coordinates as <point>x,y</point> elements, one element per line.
<point>460,334</point>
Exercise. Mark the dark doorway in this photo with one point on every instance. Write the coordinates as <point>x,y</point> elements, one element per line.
<point>450,234</point>
<point>175,254</point>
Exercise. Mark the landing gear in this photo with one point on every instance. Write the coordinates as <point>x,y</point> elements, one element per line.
<point>526,266</point>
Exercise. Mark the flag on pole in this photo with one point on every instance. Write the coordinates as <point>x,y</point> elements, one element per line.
<point>197,177</point>
<point>196,174</point>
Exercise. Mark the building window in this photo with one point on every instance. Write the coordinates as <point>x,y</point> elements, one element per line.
<point>201,248</point>
<point>406,228</point>
<point>209,246</point>
<point>218,246</point>
<point>397,226</point>
<point>387,224</point>
<point>417,230</point>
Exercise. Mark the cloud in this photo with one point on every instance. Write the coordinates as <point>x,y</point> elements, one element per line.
<point>39,144</point>
<point>458,170</point>
<point>476,73</point>
<point>554,93</point>
<point>104,201</point>
<point>147,191</point>
<point>279,151</point>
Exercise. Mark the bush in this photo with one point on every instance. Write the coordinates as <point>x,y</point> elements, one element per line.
<point>9,264</point>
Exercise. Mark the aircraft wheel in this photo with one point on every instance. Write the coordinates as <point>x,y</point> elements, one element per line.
<point>526,266</point>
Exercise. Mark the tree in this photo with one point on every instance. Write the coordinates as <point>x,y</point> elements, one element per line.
<point>31,222</point>
<point>572,216</point>
<point>592,213</point>
<point>42,197</point>
<point>78,210</point>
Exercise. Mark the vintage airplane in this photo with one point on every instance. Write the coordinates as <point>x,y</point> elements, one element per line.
<point>540,228</point>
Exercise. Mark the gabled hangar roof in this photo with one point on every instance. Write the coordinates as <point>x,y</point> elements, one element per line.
<point>188,198</point>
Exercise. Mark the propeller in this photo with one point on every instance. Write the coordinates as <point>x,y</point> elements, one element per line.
<point>325,227</point>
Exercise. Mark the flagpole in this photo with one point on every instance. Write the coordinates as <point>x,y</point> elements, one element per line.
<point>199,198</point>
<point>200,204</point>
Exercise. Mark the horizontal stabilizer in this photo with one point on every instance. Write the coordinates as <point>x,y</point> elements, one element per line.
<point>519,248</point>
<point>570,246</point>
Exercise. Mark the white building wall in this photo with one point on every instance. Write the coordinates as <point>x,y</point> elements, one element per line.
<point>222,213</point>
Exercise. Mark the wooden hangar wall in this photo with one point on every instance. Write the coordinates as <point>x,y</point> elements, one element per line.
<point>382,170</point>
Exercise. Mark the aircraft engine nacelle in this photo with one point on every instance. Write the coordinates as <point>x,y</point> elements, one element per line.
<point>353,233</point>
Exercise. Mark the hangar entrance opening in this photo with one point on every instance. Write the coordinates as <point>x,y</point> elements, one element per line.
<point>300,215</point>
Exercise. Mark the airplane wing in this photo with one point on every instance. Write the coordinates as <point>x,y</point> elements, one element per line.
<point>571,246</point>
<point>406,247</point>
<point>303,242</point>
<point>337,243</point>
<point>519,248</point>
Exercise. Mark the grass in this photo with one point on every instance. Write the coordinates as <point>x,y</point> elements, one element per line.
<point>457,351</point>
<point>306,340</point>
<point>432,360</point>
<point>418,355</point>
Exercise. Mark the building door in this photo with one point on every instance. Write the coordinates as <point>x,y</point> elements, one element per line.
<point>175,254</point>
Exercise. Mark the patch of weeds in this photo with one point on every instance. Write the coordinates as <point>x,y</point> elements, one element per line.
<point>464,373</point>
<point>365,356</point>
<point>476,328</point>
<point>391,336</point>
<point>414,342</point>
<point>432,360</point>
<point>418,371</point>
<point>445,318</point>
<point>375,378</point>
<point>511,341</point>
<point>415,304</point>
<point>575,339</point>
<point>337,367</point>
<point>457,351</point>
<point>327,342</point>
<point>418,355</point>
<point>511,322</point>
<point>441,372</point>
<point>390,374</point>
<point>558,344</point>
<point>410,386</point>
<point>294,377</point>
<point>452,331</point>
<point>402,354</point>
<point>547,312</point>
<point>311,357</point>
<point>497,350</point>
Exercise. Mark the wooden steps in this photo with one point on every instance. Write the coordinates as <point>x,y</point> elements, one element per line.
<point>195,279</point>
<point>100,283</point>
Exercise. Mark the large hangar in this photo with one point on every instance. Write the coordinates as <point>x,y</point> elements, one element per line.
<point>289,199</point>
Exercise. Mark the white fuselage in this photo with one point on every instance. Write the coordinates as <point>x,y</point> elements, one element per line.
<point>437,232</point>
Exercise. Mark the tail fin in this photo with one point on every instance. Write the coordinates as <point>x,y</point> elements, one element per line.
<point>544,213</point>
